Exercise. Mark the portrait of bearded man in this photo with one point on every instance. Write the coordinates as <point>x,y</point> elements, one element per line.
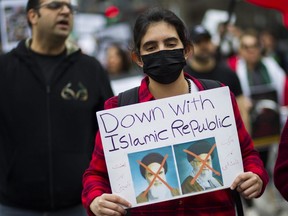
<point>158,190</point>
<point>201,177</point>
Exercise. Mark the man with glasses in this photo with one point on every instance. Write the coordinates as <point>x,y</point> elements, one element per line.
<point>49,92</point>
<point>263,82</point>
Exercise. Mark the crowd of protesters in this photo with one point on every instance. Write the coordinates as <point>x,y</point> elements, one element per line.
<point>52,90</point>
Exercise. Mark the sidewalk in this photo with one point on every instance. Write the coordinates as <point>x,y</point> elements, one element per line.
<point>271,202</point>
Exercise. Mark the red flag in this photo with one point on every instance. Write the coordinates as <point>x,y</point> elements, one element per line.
<point>281,5</point>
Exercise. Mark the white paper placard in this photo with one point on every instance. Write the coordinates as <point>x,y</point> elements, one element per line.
<point>168,127</point>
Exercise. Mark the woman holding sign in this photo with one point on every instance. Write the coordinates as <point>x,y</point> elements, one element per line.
<point>161,48</point>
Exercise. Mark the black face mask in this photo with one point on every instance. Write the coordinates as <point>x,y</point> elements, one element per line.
<point>164,66</point>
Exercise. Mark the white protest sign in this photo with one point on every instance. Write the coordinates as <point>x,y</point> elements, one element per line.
<point>170,129</point>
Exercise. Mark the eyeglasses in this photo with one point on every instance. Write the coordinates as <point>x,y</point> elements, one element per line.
<point>56,5</point>
<point>250,46</point>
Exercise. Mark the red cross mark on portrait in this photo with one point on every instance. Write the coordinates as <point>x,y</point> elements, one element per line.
<point>204,163</point>
<point>156,175</point>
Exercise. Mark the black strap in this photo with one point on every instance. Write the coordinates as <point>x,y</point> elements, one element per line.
<point>130,96</point>
<point>210,84</point>
<point>127,97</point>
<point>238,202</point>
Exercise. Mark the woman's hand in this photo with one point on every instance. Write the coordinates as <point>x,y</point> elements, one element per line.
<point>109,204</point>
<point>248,184</point>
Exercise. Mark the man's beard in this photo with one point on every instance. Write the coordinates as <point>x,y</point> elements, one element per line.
<point>203,59</point>
<point>159,191</point>
<point>206,175</point>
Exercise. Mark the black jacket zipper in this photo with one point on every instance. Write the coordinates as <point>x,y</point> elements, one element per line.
<point>51,188</point>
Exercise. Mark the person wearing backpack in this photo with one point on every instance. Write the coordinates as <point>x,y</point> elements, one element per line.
<point>161,48</point>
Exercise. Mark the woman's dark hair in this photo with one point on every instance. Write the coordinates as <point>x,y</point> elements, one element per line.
<point>156,15</point>
<point>124,55</point>
<point>31,4</point>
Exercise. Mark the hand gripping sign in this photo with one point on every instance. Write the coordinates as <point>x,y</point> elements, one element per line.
<point>171,148</point>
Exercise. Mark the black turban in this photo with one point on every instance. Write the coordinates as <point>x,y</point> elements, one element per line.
<point>152,158</point>
<point>199,147</point>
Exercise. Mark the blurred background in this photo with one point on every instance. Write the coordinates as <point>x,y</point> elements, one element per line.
<point>97,20</point>
<point>101,23</point>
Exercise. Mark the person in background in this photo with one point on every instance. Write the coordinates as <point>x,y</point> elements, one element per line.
<point>118,63</point>
<point>204,65</point>
<point>280,173</point>
<point>262,80</point>
<point>270,48</point>
<point>161,47</point>
<point>120,69</point>
<point>226,40</point>
<point>50,92</point>
<point>253,69</point>
<point>158,190</point>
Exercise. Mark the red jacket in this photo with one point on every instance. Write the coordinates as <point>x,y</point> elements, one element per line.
<point>281,165</point>
<point>218,203</point>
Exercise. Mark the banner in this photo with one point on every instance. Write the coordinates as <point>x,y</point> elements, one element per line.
<point>281,5</point>
<point>171,148</point>
<point>14,25</point>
